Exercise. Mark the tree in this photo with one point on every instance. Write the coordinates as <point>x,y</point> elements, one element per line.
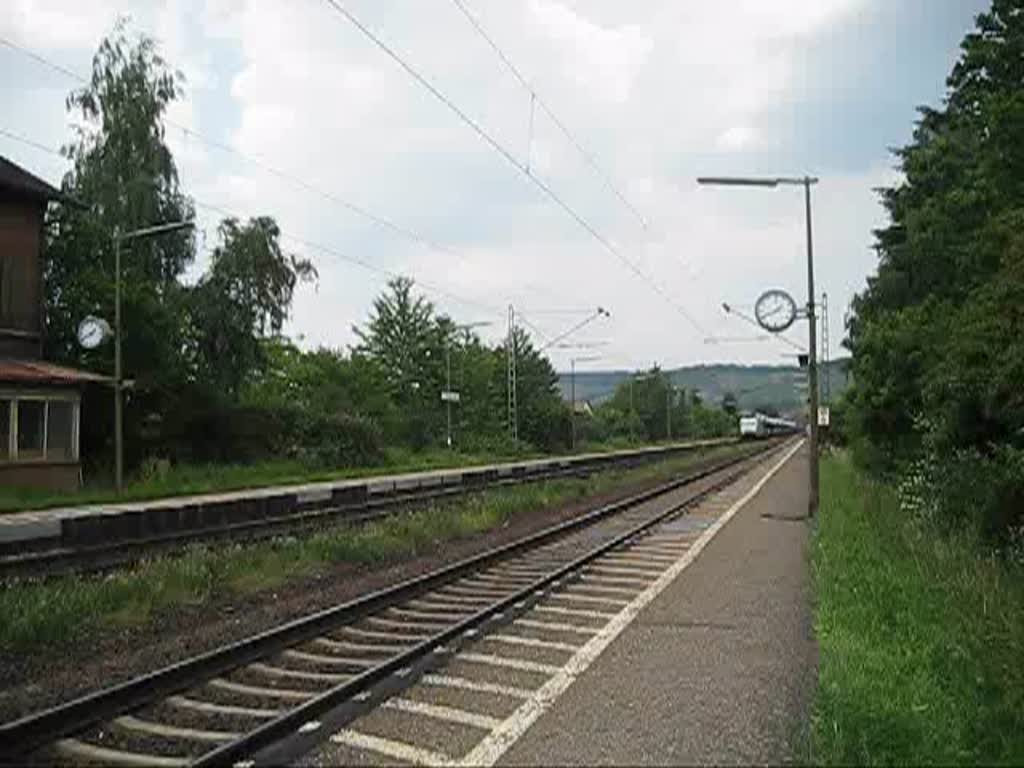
<point>938,335</point>
<point>406,339</point>
<point>244,297</point>
<point>122,177</point>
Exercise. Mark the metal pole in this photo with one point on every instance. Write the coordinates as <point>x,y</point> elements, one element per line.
<point>812,362</point>
<point>668,411</point>
<point>572,385</point>
<point>118,416</point>
<point>448,386</point>
<point>632,410</point>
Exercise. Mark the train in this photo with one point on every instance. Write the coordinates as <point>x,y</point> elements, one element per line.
<point>757,425</point>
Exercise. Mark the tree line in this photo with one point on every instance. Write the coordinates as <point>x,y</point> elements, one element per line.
<point>214,377</point>
<point>937,336</point>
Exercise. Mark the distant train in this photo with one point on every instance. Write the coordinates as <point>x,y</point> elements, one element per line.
<point>758,425</point>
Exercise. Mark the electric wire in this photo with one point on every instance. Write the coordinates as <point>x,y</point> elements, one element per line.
<point>511,159</point>
<point>588,156</point>
<point>377,219</point>
<point>307,243</point>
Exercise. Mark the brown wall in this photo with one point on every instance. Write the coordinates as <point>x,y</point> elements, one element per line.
<point>21,228</point>
<point>57,477</point>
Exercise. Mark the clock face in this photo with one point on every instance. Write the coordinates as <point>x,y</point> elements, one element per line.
<point>775,310</point>
<point>92,331</point>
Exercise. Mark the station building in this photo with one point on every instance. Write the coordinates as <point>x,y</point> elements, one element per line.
<point>40,402</point>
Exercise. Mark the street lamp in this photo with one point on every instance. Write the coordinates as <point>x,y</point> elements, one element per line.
<point>125,237</point>
<point>448,396</point>
<point>812,365</point>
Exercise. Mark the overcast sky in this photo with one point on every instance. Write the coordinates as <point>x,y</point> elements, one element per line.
<point>659,91</point>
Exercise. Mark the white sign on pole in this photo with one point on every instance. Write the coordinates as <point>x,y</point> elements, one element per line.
<point>823,416</point>
<point>450,397</point>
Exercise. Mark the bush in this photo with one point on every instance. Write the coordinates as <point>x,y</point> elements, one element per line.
<point>982,492</point>
<point>338,440</point>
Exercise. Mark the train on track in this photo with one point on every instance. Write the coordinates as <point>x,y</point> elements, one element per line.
<point>757,425</point>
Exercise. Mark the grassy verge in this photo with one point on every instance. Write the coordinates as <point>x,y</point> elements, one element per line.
<point>44,616</point>
<point>187,479</point>
<point>921,636</point>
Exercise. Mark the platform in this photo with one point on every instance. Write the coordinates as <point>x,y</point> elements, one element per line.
<point>103,524</point>
<point>718,669</point>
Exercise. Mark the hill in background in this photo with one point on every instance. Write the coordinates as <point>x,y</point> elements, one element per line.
<point>756,387</point>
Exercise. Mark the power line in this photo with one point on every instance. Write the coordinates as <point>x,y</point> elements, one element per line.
<point>504,152</point>
<point>588,156</point>
<point>377,219</point>
<point>310,244</point>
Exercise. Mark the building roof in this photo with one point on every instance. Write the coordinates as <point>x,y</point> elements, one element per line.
<point>16,180</point>
<point>14,371</point>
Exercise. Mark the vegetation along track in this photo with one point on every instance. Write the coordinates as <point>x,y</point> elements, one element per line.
<point>256,697</point>
<point>95,558</point>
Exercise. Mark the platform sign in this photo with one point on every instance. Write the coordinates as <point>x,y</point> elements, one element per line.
<point>823,416</point>
<point>450,397</point>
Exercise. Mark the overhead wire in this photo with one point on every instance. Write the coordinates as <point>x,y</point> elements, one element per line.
<point>511,159</point>
<point>307,243</point>
<point>377,219</point>
<point>534,98</point>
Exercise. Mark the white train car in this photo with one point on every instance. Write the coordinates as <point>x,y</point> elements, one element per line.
<point>757,425</point>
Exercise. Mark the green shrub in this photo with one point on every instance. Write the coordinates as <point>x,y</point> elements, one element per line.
<point>338,440</point>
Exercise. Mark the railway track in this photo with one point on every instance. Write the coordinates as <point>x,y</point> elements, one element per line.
<point>97,558</point>
<point>270,696</point>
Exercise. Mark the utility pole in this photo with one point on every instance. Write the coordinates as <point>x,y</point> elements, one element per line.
<point>510,384</point>
<point>812,362</point>
<point>825,349</point>
<point>137,234</point>
<point>668,409</point>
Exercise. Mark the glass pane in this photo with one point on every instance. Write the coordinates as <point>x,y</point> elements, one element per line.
<point>59,426</point>
<point>5,429</point>
<point>30,429</point>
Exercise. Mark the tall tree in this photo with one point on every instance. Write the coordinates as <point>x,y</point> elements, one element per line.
<point>244,297</point>
<point>122,177</point>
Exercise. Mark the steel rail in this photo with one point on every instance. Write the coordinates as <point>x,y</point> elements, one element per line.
<point>98,558</point>
<point>22,736</point>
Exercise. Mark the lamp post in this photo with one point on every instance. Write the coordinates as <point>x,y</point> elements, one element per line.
<point>448,395</point>
<point>125,237</point>
<point>812,365</point>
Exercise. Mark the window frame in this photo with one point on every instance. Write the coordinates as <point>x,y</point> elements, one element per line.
<point>46,396</point>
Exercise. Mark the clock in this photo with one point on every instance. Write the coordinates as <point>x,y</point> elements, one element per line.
<point>775,310</point>
<point>92,331</point>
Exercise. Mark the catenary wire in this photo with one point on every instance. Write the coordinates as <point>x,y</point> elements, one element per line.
<point>518,165</point>
<point>379,220</point>
<point>587,155</point>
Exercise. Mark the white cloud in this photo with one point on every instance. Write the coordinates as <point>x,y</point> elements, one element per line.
<point>652,89</point>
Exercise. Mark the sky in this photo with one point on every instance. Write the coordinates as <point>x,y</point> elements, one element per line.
<point>321,124</point>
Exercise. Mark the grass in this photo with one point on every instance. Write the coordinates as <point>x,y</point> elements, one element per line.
<point>42,616</point>
<point>921,636</point>
<point>187,479</point>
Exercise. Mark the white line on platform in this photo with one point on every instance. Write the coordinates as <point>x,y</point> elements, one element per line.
<point>399,750</point>
<point>488,751</point>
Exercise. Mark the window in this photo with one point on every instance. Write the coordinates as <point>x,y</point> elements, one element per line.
<point>5,430</point>
<point>60,430</point>
<point>38,428</point>
<point>31,428</point>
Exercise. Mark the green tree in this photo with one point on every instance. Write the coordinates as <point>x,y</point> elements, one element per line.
<point>122,177</point>
<point>243,298</point>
